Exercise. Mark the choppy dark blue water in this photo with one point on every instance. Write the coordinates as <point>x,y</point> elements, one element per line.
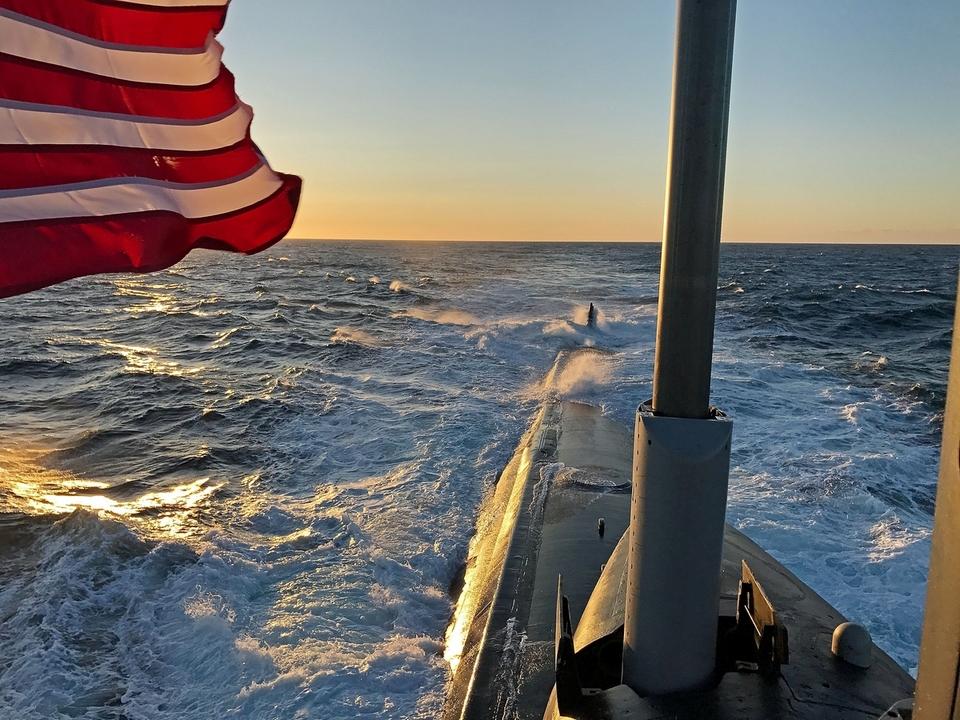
<point>242,487</point>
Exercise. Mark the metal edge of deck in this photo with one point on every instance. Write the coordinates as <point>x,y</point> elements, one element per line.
<point>500,553</point>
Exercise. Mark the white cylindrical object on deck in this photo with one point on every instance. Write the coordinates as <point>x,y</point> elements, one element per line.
<point>680,474</point>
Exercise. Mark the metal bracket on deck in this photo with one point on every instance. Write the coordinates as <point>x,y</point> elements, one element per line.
<point>569,690</point>
<point>757,621</point>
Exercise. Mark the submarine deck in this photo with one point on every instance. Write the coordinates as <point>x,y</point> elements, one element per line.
<point>572,467</point>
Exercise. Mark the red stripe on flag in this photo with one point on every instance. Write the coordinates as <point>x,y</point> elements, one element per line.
<point>37,254</point>
<point>23,167</point>
<point>33,82</point>
<point>123,24</point>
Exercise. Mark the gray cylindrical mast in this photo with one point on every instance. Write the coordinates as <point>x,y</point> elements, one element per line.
<point>691,232</point>
<point>681,453</point>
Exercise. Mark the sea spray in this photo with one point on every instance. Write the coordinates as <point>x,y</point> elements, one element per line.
<point>353,335</point>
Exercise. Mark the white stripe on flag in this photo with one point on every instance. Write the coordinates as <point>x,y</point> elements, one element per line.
<point>179,3</point>
<point>190,201</point>
<point>21,126</point>
<point>32,42</point>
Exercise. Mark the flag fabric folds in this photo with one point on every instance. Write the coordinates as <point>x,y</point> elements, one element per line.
<point>123,144</point>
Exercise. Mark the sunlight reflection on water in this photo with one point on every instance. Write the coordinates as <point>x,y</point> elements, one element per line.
<point>166,511</point>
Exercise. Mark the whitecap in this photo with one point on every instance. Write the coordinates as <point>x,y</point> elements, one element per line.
<point>443,317</point>
<point>850,412</point>
<point>355,336</point>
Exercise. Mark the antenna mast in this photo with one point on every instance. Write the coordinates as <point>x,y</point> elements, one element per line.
<point>681,451</point>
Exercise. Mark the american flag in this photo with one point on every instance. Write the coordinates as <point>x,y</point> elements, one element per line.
<point>123,144</point>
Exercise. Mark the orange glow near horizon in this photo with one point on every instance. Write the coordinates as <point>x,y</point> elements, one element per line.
<point>605,220</point>
<point>461,196</point>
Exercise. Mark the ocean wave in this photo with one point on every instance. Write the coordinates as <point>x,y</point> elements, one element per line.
<point>353,335</point>
<point>242,489</point>
<point>898,290</point>
<point>575,374</point>
<point>442,317</point>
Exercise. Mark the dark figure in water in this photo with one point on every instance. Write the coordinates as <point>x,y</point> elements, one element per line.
<point>592,316</point>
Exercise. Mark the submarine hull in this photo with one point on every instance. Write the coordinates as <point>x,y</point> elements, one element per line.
<point>571,469</point>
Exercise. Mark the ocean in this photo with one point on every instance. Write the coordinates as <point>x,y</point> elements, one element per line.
<point>241,488</point>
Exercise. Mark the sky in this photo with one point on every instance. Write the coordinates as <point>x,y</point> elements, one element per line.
<point>547,119</point>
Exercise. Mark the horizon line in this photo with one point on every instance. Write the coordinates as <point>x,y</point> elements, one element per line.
<point>919,243</point>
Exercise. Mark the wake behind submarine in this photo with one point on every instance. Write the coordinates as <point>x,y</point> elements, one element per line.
<point>603,581</point>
